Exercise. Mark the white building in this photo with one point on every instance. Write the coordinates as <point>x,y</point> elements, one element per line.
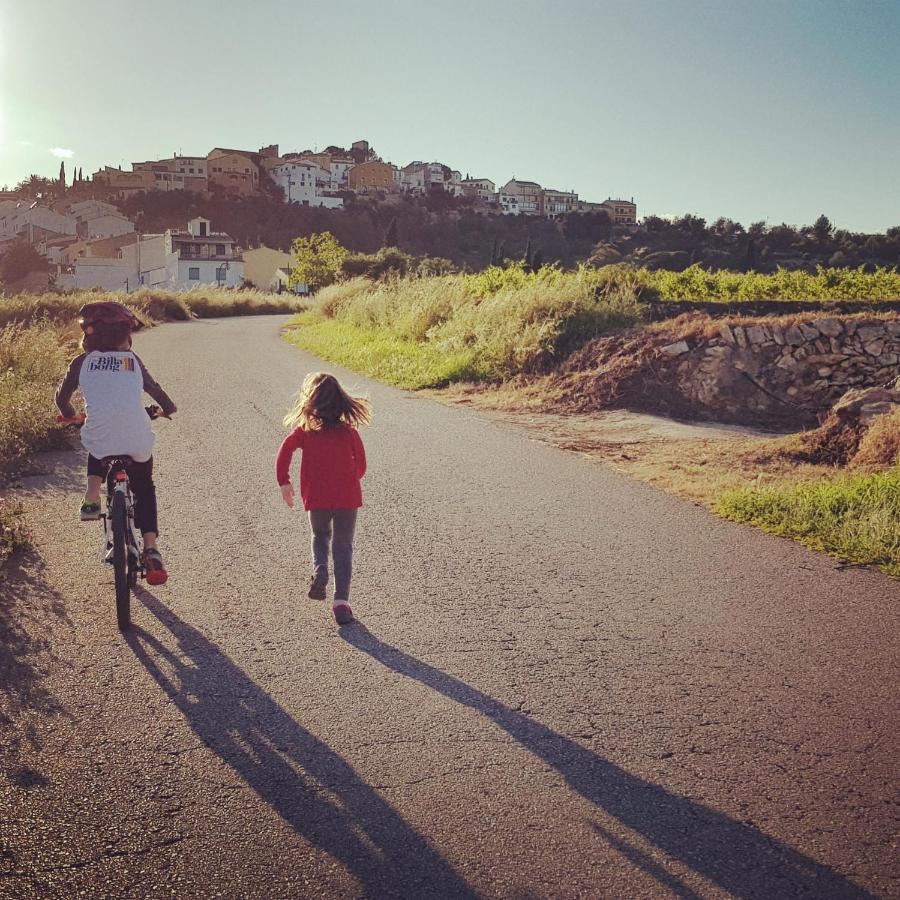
<point>32,222</point>
<point>203,257</point>
<point>112,265</point>
<point>302,180</point>
<point>558,203</point>
<point>509,203</point>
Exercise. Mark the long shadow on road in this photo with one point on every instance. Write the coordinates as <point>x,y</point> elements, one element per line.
<point>736,856</point>
<point>309,785</point>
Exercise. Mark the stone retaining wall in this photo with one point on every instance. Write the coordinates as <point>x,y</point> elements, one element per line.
<point>775,371</point>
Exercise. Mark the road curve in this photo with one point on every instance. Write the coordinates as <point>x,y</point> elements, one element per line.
<point>562,683</point>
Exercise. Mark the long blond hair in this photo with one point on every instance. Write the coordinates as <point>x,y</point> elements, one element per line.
<point>323,403</point>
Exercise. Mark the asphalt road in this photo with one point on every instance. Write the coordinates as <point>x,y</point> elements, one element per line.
<point>561,683</point>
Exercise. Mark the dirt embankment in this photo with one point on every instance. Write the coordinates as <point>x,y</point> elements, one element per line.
<point>754,397</point>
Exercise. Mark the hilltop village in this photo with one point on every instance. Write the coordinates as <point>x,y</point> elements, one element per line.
<point>87,241</point>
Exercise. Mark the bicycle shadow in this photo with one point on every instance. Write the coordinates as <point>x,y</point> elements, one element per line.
<point>733,855</point>
<point>299,776</point>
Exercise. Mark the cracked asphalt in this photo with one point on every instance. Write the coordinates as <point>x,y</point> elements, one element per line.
<point>562,683</point>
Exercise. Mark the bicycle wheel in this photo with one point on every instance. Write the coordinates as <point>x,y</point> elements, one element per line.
<point>120,562</point>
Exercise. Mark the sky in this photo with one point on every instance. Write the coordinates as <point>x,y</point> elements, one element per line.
<point>774,110</point>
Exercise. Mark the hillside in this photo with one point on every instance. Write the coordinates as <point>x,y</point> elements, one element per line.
<point>443,226</point>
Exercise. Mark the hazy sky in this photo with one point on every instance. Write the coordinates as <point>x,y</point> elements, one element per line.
<point>753,109</point>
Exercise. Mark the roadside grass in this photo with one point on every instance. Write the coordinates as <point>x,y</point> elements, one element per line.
<point>394,360</point>
<point>461,327</point>
<point>151,306</point>
<point>33,360</point>
<point>856,518</point>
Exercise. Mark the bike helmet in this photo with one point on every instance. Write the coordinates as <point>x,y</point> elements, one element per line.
<point>107,312</point>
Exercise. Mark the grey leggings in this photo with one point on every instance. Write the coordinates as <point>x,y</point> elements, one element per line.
<point>344,522</point>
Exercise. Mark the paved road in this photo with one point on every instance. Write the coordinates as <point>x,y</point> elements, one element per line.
<point>562,683</point>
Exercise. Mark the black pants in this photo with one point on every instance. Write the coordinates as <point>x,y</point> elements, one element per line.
<point>140,477</point>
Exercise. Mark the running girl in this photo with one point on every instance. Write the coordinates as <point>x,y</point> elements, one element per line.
<point>324,421</point>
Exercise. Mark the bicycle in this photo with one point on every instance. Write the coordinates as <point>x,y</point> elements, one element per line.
<point>121,543</point>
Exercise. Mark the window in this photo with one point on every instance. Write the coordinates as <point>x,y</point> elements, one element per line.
<point>194,273</point>
<point>202,229</point>
<point>220,249</point>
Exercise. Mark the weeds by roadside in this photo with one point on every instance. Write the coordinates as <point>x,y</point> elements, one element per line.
<point>856,519</point>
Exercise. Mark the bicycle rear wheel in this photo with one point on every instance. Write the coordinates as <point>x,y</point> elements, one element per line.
<point>120,562</point>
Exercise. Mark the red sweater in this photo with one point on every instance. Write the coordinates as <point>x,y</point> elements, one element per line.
<point>333,461</point>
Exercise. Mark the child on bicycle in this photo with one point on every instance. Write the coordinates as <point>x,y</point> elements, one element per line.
<point>113,380</point>
<point>324,421</point>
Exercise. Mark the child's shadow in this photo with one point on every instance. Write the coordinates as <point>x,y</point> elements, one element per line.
<point>736,856</point>
<point>309,785</point>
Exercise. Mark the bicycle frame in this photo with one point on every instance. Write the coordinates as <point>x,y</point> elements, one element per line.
<point>117,482</point>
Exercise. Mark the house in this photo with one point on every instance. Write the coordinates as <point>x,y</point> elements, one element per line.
<point>482,189</point>
<point>177,173</point>
<point>33,222</point>
<point>558,203</point>
<point>204,257</point>
<point>96,219</point>
<point>262,264</point>
<point>123,263</point>
<point>124,184</point>
<point>424,178</point>
<point>301,180</point>
<point>234,171</point>
<point>413,178</point>
<point>526,196</point>
<point>373,176</point>
<point>621,212</point>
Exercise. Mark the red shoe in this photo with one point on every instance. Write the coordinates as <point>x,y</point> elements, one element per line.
<point>343,615</point>
<point>154,570</point>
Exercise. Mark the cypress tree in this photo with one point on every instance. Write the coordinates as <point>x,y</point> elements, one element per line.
<point>390,237</point>
<point>62,174</point>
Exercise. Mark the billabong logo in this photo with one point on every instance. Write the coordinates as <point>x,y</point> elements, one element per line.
<point>112,364</point>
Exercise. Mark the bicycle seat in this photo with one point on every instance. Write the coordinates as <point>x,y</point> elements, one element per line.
<point>112,460</point>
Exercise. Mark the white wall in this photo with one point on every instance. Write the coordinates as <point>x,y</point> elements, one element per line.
<point>207,271</point>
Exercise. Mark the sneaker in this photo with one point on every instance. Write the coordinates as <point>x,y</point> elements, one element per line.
<point>154,570</point>
<point>317,584</point>
<point>90,511</point>
<point>343,615</point>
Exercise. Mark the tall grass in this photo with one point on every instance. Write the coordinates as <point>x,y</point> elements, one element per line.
<point>150,305</point>
<point>493,325</point>
<point>33,360</point>
<point>856,519</point>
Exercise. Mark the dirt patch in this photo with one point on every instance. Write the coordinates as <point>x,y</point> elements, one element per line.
<point>693,460</point>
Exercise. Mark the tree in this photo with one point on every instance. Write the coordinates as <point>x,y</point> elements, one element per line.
<point>390,236</point>
<point>527,258</point>
<point>822,228</point>
<point>320,259</point>
<point>757,229</point>
<point>62,175</point>
<point>35,186</point>
<point>19,260</point>
<point>80,175</point>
